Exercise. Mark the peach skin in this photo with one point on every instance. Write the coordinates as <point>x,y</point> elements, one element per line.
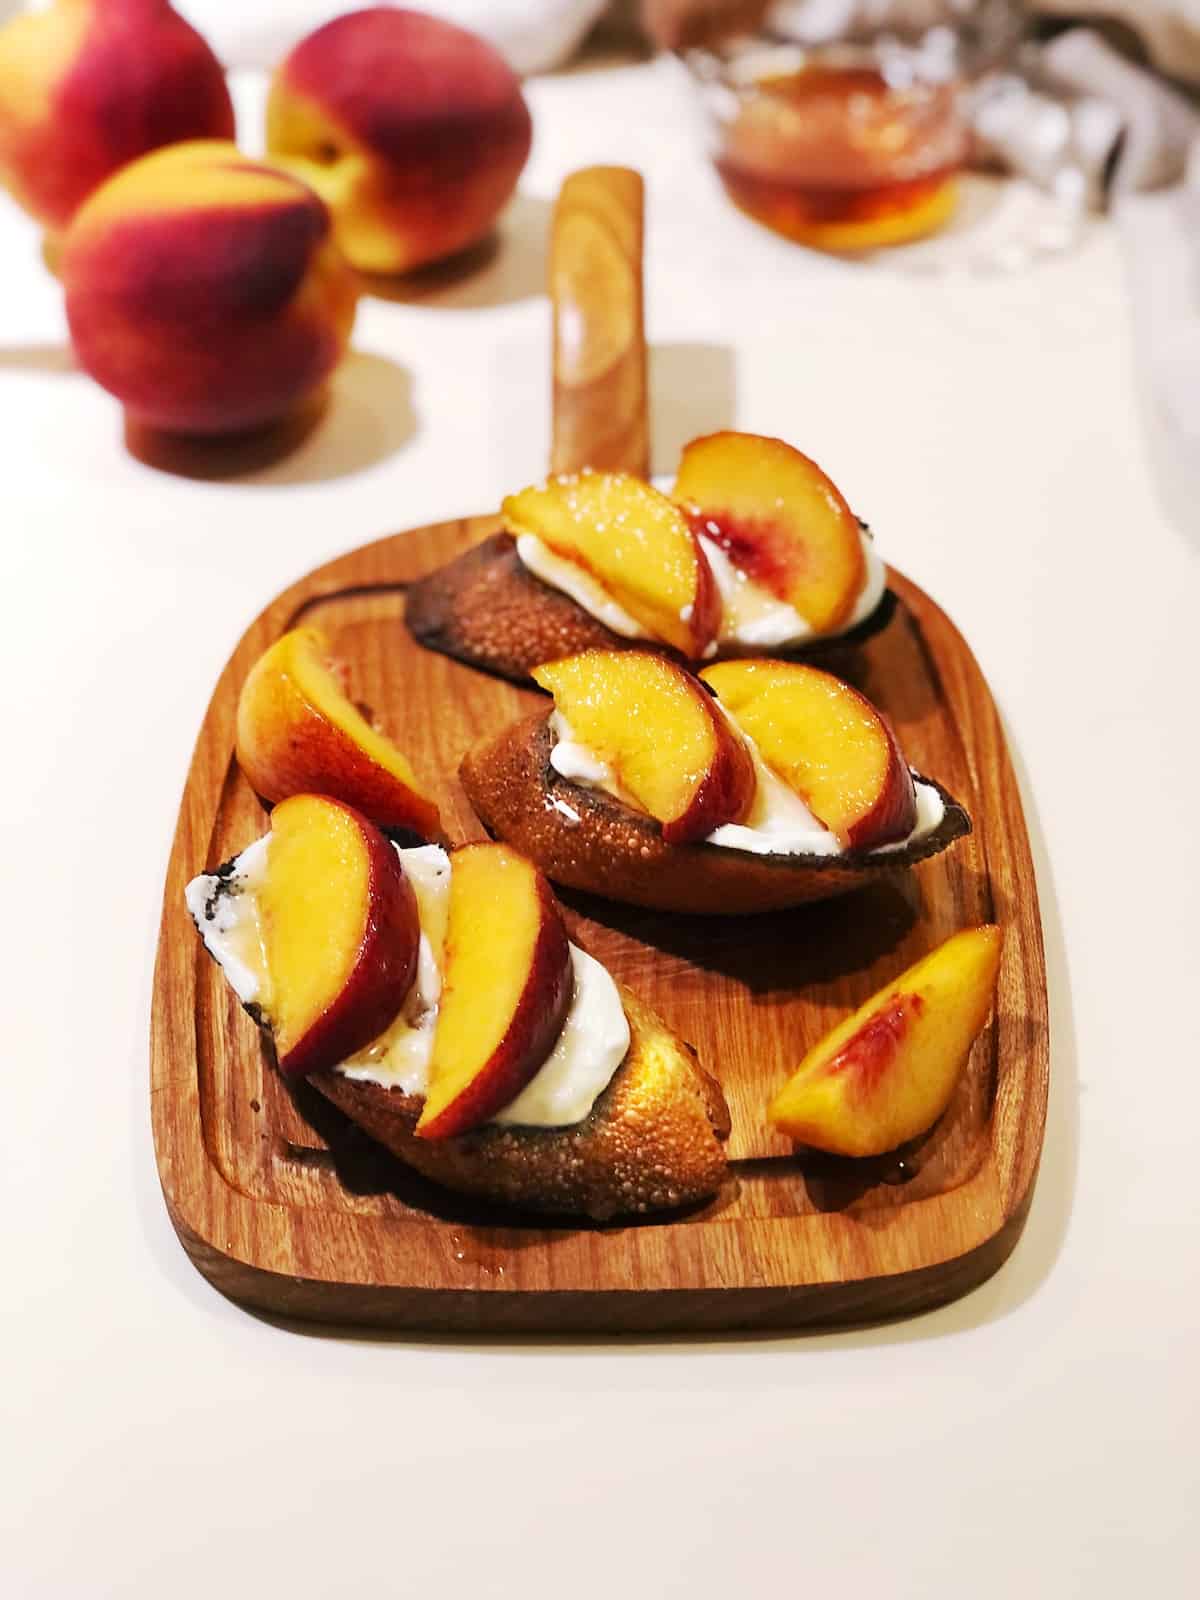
<point>413,130</point>
<point>87,86</point>
<point>298,730</point>
<point>507,989</point>
<point>204,290</point>
<point>340,933</point>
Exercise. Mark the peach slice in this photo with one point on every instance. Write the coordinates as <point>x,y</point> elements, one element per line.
<point>298,731</point>
<point>887,1073</point>
<point>634,543</point>
<point>667,744</point>
<point>781,520</point>
<point>507,986</point>
<point>827,742</point>
<point>340,932</point>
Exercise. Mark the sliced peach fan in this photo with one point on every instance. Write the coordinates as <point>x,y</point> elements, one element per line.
<point>340,932</point>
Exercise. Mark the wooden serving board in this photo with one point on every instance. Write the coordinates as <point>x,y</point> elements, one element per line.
<point>286,1207</point>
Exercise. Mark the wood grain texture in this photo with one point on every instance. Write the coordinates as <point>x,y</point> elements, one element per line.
<point>599,401</point>
<point>286,1207</point>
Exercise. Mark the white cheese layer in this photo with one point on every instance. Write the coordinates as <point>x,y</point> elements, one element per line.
<point>218,903</point>
<point>399,1058</point>
<point>751,616</point>
<point>594,1038</point>
<point>779,822</point>
<point>579,585</point>
<point>592,1045</point>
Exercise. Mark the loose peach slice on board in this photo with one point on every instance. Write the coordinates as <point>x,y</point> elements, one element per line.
<point>634,542</point>
<point>887,1073</point>
<point>781,520</point>
<point>827,742</point>
<point>507,986</point>
<point>298,731</point>
<point>340,933</point>
<point>660,733</point>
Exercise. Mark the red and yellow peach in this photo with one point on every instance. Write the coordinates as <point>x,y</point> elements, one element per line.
<point>204,290</point>
<point>88,86</point>
<point>413,130</point>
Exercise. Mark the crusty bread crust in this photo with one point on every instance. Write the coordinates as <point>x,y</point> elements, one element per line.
<point>586,839</point>
<point>653,1140</point>
<point>486,608</point>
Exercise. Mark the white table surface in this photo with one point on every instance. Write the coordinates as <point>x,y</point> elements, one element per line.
<point>1037,1437</point>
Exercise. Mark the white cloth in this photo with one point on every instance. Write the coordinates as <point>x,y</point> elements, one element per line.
<point>1169,29</point>
<point>1157,124</point>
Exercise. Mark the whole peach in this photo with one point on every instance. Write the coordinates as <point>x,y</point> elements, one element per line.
<point>204,290</point>
<point>89,85</point>
<point>415,132</point>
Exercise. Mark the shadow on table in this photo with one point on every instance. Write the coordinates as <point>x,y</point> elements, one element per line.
<point>364,417</point>
<point>509,265</point>
<point>52,359</point>
<point>693,391</point>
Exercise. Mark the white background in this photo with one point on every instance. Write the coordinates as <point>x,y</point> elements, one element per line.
<point>1039,1436</point>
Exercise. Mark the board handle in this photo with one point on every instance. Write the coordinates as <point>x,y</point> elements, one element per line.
<point>599,400</point>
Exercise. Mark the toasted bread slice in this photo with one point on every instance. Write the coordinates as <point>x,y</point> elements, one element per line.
<point>652,1141</point>
<point>486,608</point>
<point>586,839</point>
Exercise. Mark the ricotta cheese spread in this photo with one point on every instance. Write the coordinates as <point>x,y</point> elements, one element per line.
<point>591,1046</point>
<point>751,616</point>
<point>779,822</point>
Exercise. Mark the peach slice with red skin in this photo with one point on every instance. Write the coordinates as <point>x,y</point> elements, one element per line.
<point>827,742</point>
<point>297,731</point>
<point>887,1073</point>
<point>340,932</point>
<point>634,542</point>
<point>507,984</point>
<point>660,732</point>
<point>781,520</point>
